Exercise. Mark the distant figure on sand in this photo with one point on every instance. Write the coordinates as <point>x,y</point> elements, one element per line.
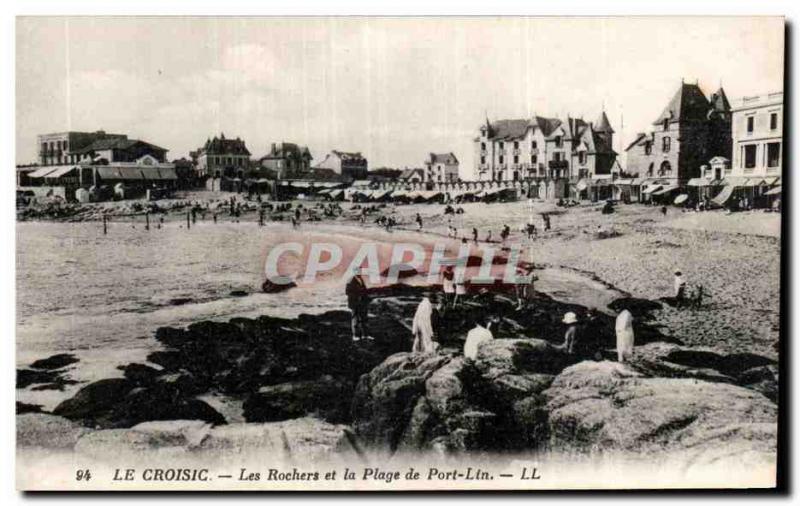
<point>625,336</point>
<point>680,288</point>
<point>504,233</point>
<point>546,221</point>
<point>480,334</point>
<point>357,302</point>
<point>423,327</point>
<point>475,235</point>
<point>419,222</point>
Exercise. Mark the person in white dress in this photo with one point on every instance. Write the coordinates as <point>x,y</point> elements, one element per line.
<point>477,336</point>
<point>422,327</point>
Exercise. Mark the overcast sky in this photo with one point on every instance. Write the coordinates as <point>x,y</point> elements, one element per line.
<point>394,89</point>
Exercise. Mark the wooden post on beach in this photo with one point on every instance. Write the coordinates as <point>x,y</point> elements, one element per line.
<point>105,226</point>
<point>188,220</point>
<point>147,221</point>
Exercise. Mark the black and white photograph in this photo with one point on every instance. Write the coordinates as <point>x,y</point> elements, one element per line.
<point>422,253</point>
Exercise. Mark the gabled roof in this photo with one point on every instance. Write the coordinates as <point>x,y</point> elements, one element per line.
<point>222,146</point>
<point>408,173</point>
<point>689,103</point>
<point>115,143</point>
<point>344,155</point>
<point>602,124</point>
<point>637,140</point>
<point>446,158</point>
<point>287,150</point>
<point>509,129</point>
<point>719,101</point>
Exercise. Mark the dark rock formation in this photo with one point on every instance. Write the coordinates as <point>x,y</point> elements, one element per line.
<point>55,362</point>
<point>326,397</point>
<point>121,402</point>
<point>23,408</point>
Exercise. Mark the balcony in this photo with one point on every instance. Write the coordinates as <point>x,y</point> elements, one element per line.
<point>558,164</point>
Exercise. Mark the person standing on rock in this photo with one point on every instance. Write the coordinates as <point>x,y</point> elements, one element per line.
<point>571,338</point>
<point>480,334</point>
<point>448,285</point>
<point>423,326</point>
<point>625,336</point>
<point>357,302</point>
<point>680,288</point>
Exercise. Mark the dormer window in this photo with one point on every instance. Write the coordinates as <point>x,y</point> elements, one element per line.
<point>558,141</point>
<point>666,124</point>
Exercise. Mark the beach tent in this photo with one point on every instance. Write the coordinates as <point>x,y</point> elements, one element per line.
<point>381,195</point>
<point>82,195</point>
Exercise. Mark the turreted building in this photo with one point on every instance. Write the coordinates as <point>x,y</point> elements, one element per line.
<point>691,130</point>
<point>550,151</point>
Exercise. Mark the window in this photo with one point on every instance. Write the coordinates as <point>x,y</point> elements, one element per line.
<point>533,144</point>
<point>582,157</point>
<point>665,142</point>
<point>750,121</point>
<point>533,158</point>
<point>516,145</point>
<point>483,160</point>
<point>650,170</point>
<point>773,121</point>
<point>750,156</point>
<point>483,146</point>
<point>516,159</point>
<point>500,159</point>
<point>665,169</point>
<point>558,141</point>
<point>556,157</point>
<point>648,148</point>
<point>773,154</point>
<point>502,146</point>
<point>666,124</point>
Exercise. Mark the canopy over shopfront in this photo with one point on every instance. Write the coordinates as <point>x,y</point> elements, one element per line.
<point>680,199</point>
<point>664,190</point>
<point>774,191</point>
<point>724,195</point>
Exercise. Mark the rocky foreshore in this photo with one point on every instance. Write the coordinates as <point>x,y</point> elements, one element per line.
<point>521,394</point>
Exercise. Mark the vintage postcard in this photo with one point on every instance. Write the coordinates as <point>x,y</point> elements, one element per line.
<point>410,253</point>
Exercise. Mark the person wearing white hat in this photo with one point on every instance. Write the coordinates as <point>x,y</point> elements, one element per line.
<point>571,335</point>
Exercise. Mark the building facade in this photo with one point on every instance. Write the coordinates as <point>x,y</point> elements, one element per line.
<point>757,129</point>
<point>542,149</point>
<point>286,160</point>
<point>62,148</point>
<point>351,166</point>
<point>221,157</point>
<point>119,149</point>
<point>441,168</point>
<point>690,131</point>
